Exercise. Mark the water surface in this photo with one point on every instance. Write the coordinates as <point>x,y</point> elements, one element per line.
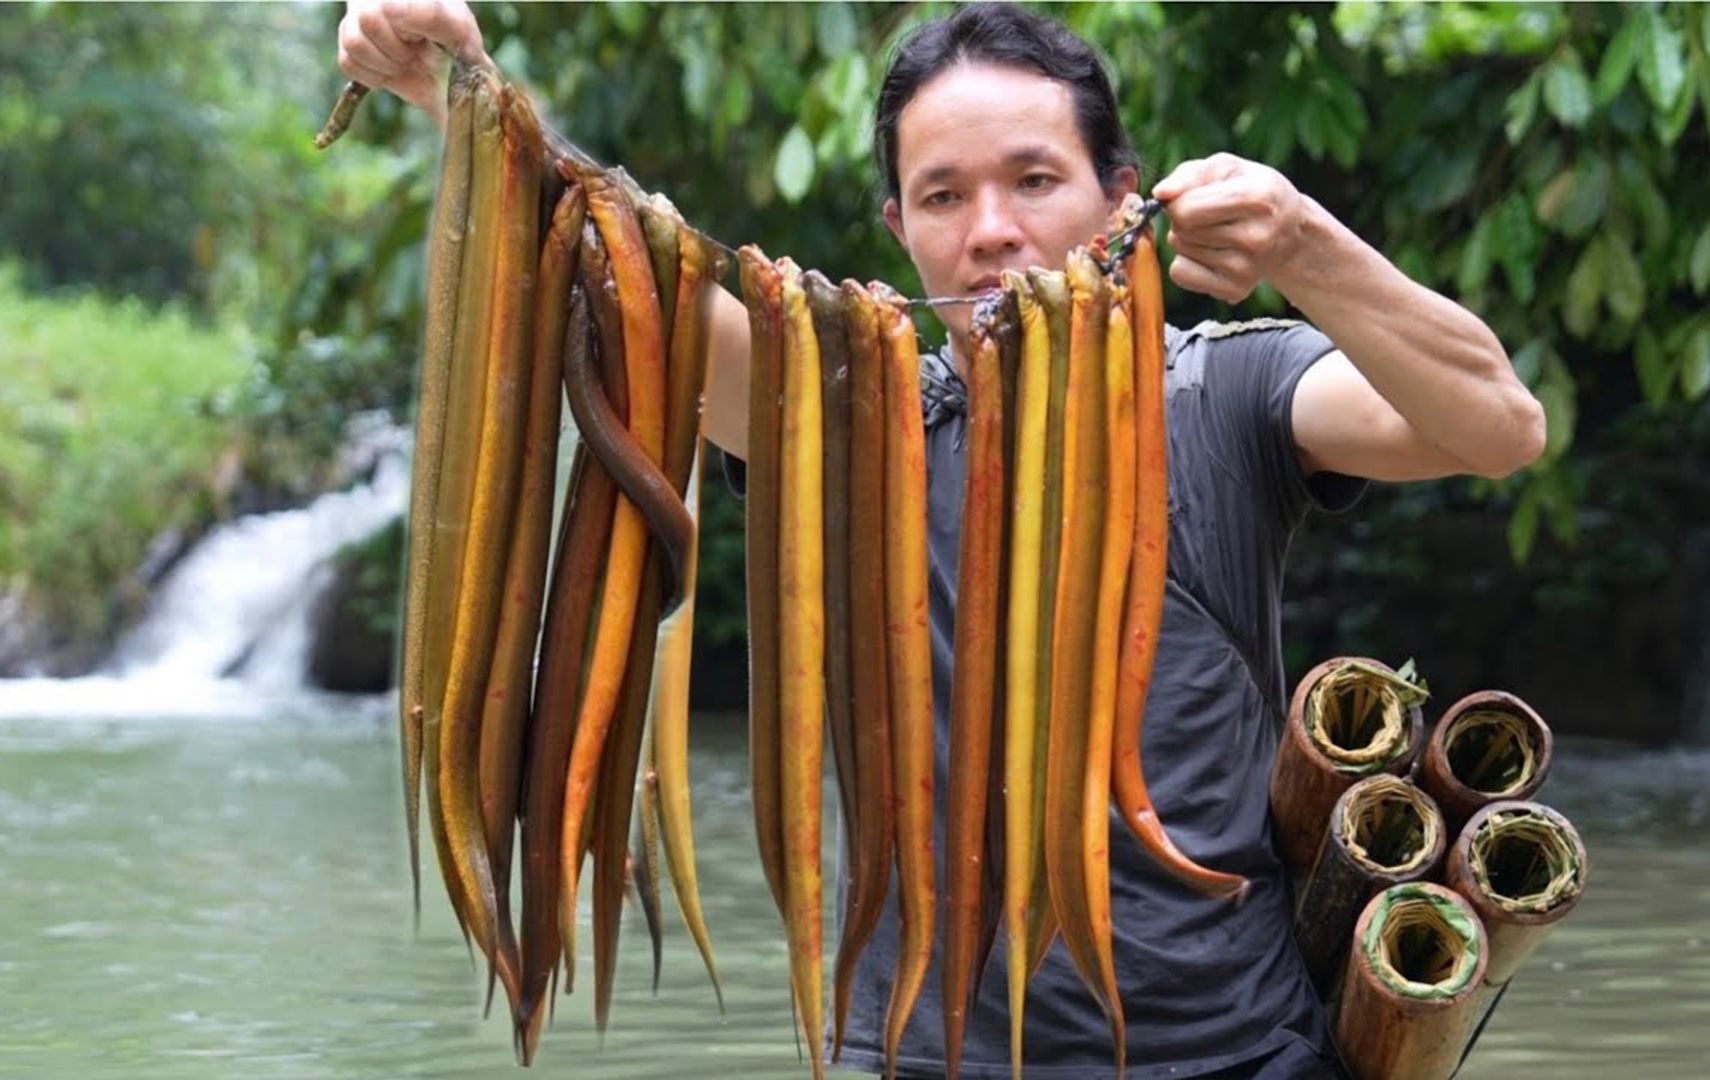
<point>225,894</point>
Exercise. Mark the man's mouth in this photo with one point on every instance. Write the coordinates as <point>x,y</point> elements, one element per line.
<point>989,283</point>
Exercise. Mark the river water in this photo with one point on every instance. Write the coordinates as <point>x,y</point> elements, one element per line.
<point>222,891</point>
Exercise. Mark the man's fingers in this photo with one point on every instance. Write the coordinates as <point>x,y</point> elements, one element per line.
<point>362,73</point>
<point>442,22</point>
<point>1242,234</point>
<point>356,45</point>
<point>420,88</point>
<point>1196,276</point>
<point>1194,173</point>
<point>1215,202</point>
<point>377,29</point>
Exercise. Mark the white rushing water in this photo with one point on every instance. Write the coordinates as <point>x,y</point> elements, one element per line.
<point>228,629</point>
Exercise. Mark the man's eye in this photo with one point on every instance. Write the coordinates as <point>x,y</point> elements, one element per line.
<point>939,198</point>
<point>1037,181</point>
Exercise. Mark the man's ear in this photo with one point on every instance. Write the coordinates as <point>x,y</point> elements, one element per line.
<point>1124,183</point>
<point>893,221</point>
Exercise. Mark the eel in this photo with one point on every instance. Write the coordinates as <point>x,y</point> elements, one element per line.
<point>973,689</point>
<point>491,518</point>
<point>870,864</point>
<point>909,653</point>
<point>1146,581</point>
<point>445,265</point>
<point>801,651</point>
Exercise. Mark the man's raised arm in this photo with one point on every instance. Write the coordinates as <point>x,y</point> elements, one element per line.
<point>1420,386</point>
<point>401,46</point>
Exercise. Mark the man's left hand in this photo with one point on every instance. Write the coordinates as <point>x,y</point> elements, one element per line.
<point>1233,223</point>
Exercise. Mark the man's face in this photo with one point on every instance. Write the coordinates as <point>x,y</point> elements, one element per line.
<point>994,176</point>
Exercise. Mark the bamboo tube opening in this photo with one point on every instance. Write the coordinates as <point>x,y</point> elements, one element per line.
<point>1357,717</point>
<point>1390,825</point>
<point>1492,751</point>
<point>1422,945</point>
<point>1526,862</point>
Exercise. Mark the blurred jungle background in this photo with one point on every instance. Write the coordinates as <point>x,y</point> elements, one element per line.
<point>209,339</point>
<point>194,303</point>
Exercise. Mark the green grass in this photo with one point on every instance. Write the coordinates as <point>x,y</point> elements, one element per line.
<point>114,419</point>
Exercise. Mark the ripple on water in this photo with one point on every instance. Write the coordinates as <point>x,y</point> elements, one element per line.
<point>259,922</point>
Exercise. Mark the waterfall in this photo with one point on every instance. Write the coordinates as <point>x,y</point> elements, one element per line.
<point>238,605</point>
<point>228,630</point>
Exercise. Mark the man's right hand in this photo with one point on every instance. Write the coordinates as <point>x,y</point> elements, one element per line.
<point>395,45</point>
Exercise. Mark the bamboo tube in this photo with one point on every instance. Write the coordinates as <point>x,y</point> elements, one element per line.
<point>1489,745</point>
<point>1521,866</point>
<point>1350,717</point>
<point>1418,957</point>
<point>1383,831</point>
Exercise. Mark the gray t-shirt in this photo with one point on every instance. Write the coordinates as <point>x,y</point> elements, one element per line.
<point>1207,988</point>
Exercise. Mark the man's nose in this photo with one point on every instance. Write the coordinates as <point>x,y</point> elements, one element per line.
<point>995,227</point>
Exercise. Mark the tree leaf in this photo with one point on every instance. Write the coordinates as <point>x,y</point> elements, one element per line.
<point>1653,366</point>
<point>1557,395</point>
<point>1662,61</point>
<point>1623,281</point>
<point>834,29</point>
<point>1444,180</point>
<point>1584,291</point>
<point>1475,258</point>
<point>846,84</point>
<point>1349,106</point>
<point>1554,198</point>
<point>1567,93</point>
<point>1344,146</point>
<point>1587,198</point>
<point>1560,510</point>
<point>1528,361</point>
<point>1695,364</point>
<point>1617,64</point>
<point>628,15</point>
<point>1515,237</point>
<point>1519,109</point>
<point>793,169</point>
<point>1698,271</point>
<point>698,74</point>
<point>738,98</point>
<point>1645,200</point>
<point>1309,119</point>
<point>1523,526</point>
<point>1670,126</point>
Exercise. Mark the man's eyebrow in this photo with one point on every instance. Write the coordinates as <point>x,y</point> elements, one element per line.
<point>1031,154</point>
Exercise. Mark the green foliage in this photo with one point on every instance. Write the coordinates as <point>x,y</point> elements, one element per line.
<point>1532,161</point>
<point>162,151</point>
<point>114,425</point>
<point>1540,163</point>
<point>377,577</point>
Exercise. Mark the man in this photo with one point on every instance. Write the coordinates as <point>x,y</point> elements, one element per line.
<point>998,137</point>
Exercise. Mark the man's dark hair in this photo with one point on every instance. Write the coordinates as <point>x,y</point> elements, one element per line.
<point>1011,36</point>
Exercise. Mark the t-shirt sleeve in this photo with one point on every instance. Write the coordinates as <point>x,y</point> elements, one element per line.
<point>735,474</point>
<point>1251,378</point>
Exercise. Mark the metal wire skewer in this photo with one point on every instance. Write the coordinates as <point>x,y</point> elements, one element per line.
<point>344,110</point>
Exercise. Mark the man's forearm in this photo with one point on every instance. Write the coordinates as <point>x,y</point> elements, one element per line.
<point>724,407</point>
<point>1435,362</point>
